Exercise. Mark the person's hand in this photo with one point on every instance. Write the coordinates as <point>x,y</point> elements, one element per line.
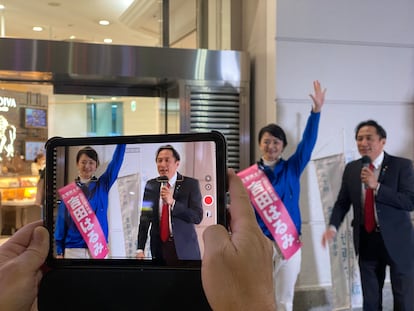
<point>328,236</point>
<point>237,269</point>
<point>368,178</point>
<point>167,195</point>
<point>318,98</point>
<point>140,255</point>
<point>21,258</point>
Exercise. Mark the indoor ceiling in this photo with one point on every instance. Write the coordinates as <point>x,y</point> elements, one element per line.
<point>132,22</point>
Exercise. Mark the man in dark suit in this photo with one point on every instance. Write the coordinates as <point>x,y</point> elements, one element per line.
<point>390,241</point>
<point>181,197</point>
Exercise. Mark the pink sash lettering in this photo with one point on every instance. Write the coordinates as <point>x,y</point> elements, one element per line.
<point>85,220</point>
<point>272,210</point>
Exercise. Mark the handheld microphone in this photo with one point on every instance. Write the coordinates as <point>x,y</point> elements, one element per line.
<point>163,180</point>
<point>366,161</point>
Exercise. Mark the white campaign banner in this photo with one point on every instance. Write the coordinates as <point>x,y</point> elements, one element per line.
<point>346,284</point>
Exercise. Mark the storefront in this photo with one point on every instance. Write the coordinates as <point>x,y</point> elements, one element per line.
<point>23,133</point>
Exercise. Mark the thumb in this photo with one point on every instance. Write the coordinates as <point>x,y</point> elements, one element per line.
<point>313,97</point>
<point>323,241</point>
<point>215,237</point>
<point>35,254</point>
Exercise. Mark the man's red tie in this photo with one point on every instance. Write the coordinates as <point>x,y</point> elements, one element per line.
<point>165,223</point>
<point>369,207</point>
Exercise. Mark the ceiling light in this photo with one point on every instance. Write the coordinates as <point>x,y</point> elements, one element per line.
<point>108,40</point>
<point>37,28</point>
<point>2,7</point>
<point>104,22</point>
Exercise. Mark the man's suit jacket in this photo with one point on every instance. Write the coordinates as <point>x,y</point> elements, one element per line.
<point>394,201</point>
<point>186,212</point>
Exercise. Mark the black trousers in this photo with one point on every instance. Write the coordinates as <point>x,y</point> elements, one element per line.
<point>373,260</point>
<point>169,254</point>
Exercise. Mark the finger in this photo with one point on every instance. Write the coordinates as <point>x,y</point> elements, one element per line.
<point>241,210</point>
<point>35,254</point>
<point>323,240</point>
<point>19,241</point>
<point>313,98</point>
<point>214,237</point>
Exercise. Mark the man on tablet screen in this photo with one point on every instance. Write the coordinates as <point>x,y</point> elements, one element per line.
<point>172,206</point>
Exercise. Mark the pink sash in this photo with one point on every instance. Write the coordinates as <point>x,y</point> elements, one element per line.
<point>271,209</point>
<point>85,220</point>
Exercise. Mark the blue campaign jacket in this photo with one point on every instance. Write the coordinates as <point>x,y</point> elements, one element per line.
<point>285,177</point>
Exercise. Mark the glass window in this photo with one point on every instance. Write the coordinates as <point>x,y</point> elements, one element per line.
<point>104,119</point>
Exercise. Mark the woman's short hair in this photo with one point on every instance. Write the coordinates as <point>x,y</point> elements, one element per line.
<point>89,152</point>
<point>274,130</point>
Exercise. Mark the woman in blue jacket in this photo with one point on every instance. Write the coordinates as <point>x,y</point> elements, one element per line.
<point>69,241</point>
<point>284,176</point>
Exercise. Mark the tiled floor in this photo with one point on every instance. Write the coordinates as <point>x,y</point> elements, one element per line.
<point>325,302</point>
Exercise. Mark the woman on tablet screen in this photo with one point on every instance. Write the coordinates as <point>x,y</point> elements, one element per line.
<point>69,240</point>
